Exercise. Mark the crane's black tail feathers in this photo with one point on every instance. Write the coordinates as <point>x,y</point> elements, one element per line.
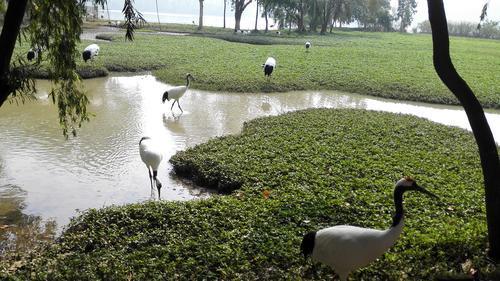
<point>165,97</point>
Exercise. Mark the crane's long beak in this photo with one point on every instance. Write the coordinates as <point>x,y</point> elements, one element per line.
<point>423,190</point>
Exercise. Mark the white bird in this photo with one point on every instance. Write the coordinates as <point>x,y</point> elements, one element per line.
<point>269,66</point>
<point>176,93</point>
<point>90,52</point>
<point>151,156</point>
<point>308,45</point>
<point>346,248</point>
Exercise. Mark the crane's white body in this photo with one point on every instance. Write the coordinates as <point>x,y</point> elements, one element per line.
<point>346,248</point>
<point>308,45</point>
<point>177,92</point>
<point>271,62</point>
<point>93,50</point>
<point>151,154</point>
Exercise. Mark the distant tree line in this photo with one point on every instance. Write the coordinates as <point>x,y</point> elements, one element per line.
<point>489,29</point>
<point>314,15</point>
<point>321,15</point>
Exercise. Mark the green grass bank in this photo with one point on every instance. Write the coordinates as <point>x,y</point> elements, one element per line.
<point>287,175</point>
<point>389,65</point>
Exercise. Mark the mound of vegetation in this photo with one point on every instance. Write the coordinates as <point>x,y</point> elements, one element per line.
<point>288,175</point>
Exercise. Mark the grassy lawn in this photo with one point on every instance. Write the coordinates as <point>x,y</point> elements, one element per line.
<point>388,65</point>
<point>287,175</point>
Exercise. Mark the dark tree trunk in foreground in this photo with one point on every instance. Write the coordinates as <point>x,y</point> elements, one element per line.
<point>12,23</point>
<point>480,128</point>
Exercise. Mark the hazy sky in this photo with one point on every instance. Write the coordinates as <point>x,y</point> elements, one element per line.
<point>459,10</point>
<point>456,10</point>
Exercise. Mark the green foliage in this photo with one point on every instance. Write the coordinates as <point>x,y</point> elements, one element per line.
<point>297,172</point>
<point>406,10</point>
<point>55,28</point>
<point>3,7</point>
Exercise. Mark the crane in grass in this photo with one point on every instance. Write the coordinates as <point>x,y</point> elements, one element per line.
<point>269,66</point>
<point>176,93</point>
<point>151,155</point>
<point>90,52</point>
<point>346,248</point>
<point>308,45</point>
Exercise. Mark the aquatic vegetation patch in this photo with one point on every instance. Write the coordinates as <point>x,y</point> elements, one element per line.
<point>296,172</point>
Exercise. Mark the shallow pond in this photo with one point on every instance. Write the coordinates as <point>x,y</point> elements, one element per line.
<point>44,177</point>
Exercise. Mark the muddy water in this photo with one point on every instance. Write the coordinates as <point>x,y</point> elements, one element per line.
<point>46,179</point>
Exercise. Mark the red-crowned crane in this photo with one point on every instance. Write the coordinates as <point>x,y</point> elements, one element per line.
<point>346,248</point>
<point>151,155</point>
<point>176,93</point>
<point>90,52</point>
<point>308,45</point>
<point>33,53</point>
<point>269,66</point>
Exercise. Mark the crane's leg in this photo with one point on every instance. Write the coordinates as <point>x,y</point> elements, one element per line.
<point>157,182</point>
<point>172,105</point>
<point>179,105</point>
<point>150,179</point>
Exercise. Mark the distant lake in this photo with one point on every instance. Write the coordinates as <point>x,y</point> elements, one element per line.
<point>247,19</point>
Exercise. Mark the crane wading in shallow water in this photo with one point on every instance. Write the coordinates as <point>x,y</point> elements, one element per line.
<point>346,248</point>
<point>151,156</point>
<point>176,93</point>
<point>90,52</point>
<point>269,66</point>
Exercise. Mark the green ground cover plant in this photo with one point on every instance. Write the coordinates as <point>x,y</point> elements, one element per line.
<point>390,65</point>
<point>284,176</point>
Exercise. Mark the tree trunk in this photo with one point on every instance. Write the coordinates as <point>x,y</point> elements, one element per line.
<point>237,19</point>
<point>267,21</point>
<point>157,14</point>
<point>11,25</point>
<point>224,24</point>
<point>256,14</point>
<point>200,21</point>
<point>480,128</point>
<point>239,7</point>
<point>300,23</point>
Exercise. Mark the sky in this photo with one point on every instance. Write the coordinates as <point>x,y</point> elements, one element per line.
<point>456,10</point>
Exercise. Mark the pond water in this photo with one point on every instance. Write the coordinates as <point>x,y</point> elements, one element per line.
<point>45,179</point>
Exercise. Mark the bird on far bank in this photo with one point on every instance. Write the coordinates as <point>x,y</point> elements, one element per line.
<point>308,45</point>
<point>90,52</point>
<point>269,66</point>
<point>346,248</point>
<point>176,93</point>
<point>151,155</point>
<point>33,53</point>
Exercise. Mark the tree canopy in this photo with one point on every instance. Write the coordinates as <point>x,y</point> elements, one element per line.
<point>53,28</point>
